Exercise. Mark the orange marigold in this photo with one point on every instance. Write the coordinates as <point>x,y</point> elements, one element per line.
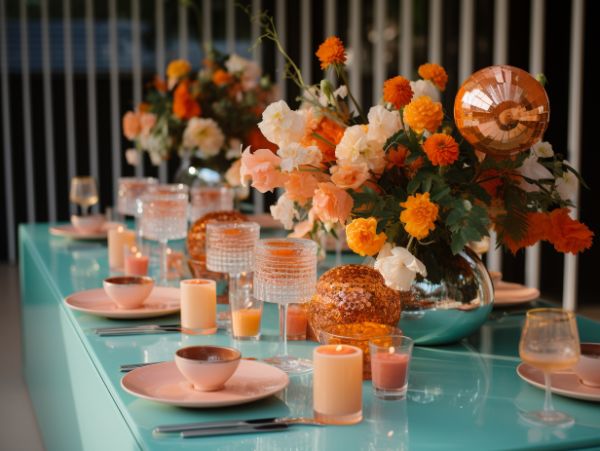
<point>331,51</point>
<point>537,230</point>
<point>568,234</point>
<point>362,237</point>
<point>221,77</point>
<point>184,105</point>
<point>423,114</point>
<point>397,91</point>
<point>159,84</point>
<point>331,134</point>
<point>178,68</point>
<point>396,157</point>
<point>419,215</point>
<point>434,73</point>
<point>441,149</point>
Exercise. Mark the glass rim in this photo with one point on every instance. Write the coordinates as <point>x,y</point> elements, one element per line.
<point>270,243</point>
<point>556,310</point>
<point>404,337</point>
<point>81,178</point>
<point>357,337</point>
<point>150,196</point>
<point>215,224</point>
<point>137,179</point>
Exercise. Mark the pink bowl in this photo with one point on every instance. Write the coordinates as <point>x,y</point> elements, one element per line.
<point>128,292</point>
<point>588,367</point>
<point>207,367</point>
<point>88,224</point>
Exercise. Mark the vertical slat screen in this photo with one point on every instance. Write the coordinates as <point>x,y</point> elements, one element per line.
<point>207,23</point>
<point>159,24</point>
<point>257,197</point>
<point>435,31</point>
<point>48,117</point>
<point>90,57</point>
<point>182,27</point>
<point>466,42</point>
<point>536,65</point>
<point>280,15</point>
<point>26,100</point>
<point>115,113</point>
<point>406,39</point>
<point>230,25</point>
<point>305,41</point>
<point>356,46</point>
<point>330,28</point>
<point>136,63</point>
<point>7,138</point>
<point>69,94</point>
<point>379,51</point>
<point>574,136</point>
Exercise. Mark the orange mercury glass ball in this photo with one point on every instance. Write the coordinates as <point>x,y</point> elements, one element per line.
<point>501,110</point>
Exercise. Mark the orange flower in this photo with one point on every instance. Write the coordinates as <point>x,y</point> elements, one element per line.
<point>537,230</point>
<point>568,234</point>
<point>159,84</point>
<point>331,51</point>
<point>397,91</point>
<point>300,186</point>
<point>184,105</point>
<point>441,149</point>
<point>221,77</point>
<point>423,114</point>
<point>419,215</point>
<point>178,68</point>
<point>362,237</point>
<point>396,157</point>
<point>435,73</point>
<point>331,132</point>
<point>256,140</point>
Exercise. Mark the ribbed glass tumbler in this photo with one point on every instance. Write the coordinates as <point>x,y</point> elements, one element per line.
<point>230,248</point>
<point>285,272</point>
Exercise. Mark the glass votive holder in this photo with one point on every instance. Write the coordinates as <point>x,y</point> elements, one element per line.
<point>136,260</point>
<point>390,363</point>
<point>198,306</point>
<point>246,313</point>
<point>358,334</point>
<point>297,322</point>
<point>206,199</point>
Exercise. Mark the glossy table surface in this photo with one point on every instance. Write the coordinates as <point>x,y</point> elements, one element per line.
<point>463,396</point>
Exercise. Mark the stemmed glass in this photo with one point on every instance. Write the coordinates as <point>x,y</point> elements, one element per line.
<point>285,272</point>
<point>84,193</point>
<point>130,190</point>
<point>164,217</point>
<point>206,199</point>
<point>549,342</point>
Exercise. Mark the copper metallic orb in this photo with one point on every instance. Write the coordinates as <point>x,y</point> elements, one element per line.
<point>501,110</point>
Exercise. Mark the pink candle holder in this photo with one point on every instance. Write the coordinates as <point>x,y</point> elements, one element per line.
<point>390,362</point>
<point>136,261</point>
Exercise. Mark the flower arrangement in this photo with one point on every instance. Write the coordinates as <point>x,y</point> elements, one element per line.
<point>208,114</point>
<point>400,178</point>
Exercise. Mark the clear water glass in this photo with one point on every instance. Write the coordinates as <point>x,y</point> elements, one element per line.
<point>130,189</point>
<point>163,218</point>
<point>84,193</point>
<point>285,272</point>
<point>206,199</point>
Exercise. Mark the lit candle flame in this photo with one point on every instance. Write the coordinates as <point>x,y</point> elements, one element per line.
<point>138,255</point>
<point>391,350</point>
<point>338,348</point>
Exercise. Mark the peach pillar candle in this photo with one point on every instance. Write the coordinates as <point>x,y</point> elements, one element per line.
<point>198,306</point>
<point>136,264</point>
<point>118,238</point>
<point>245,322</point>
<point>297,322</point>
<point>337,384</point>
<point>389,370</point>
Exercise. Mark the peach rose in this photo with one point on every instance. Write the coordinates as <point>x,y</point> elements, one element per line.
<point>331,204</point>
<point>300,186</point>
<point>262,167</point>
<point>349,176</point>
<point>131,125</point>
<point>147,121</point>
<point>303,228</point>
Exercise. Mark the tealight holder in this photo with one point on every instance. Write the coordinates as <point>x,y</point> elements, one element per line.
<point>390,363</point>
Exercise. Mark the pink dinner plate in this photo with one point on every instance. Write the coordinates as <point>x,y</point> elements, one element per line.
<point>68,231</point>
<point>564,383</point>
<point>162,301</point>
<point>164,383</point>
<point>508,294</point>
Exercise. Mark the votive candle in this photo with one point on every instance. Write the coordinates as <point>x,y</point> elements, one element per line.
<point>390,362</point>
<point>297,322</point>
<point>118,238</point>
<point>198,306</point>
<point>245,323</point>
<point>337,384</point>
<point>136,264</point>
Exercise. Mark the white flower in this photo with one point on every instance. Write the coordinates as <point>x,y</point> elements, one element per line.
<point>284,212</point>
<point>235,149</point>
<point>353,145</point>
<point>281,125</point>
<point>294,155</point>
<point>542,149</point>
<point>398,267</point>
<point>567,184</point>
<point>324,99</point>
<point>382,124</point>
<point>425,88</point>
<point>205,135</point>
<point>155,158</point>
<point>532,169</point>
<point>248,71</point>
<point>233,176</point>
<point>341,92</point>
<point>156,146</point>
<point>132,156</point>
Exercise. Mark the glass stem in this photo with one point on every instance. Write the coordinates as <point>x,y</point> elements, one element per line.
<point>235,288</point>
<point>164,262</point>
<point>84,210</point>
<point>283,309</point>
<point>338,251</point>
<point>548,407</point>
<point>138,229</point>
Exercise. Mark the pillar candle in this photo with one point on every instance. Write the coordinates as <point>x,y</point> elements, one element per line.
<point>337,384</point>
<point>118,238</point>
<point>136,264</point>
<point>198,306</point>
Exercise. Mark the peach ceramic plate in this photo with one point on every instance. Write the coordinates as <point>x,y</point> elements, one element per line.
<point>68,231</point>
<point>564,383</point>
<point>164,383</point>
<point>162,301</point>
<point>508,294</point>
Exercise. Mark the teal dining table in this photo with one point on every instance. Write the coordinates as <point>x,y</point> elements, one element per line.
<point>465,396</point>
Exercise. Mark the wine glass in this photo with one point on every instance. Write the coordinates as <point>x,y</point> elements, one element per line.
<point>129,191</point>
<point>285,272</point>
<point>84,193</point>
<point>163,218</point>
<point>549,342</point>
<point>206,199</point>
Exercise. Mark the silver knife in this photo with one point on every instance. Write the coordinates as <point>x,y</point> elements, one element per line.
<point>270,427</point>
<point>136,327</point>
<point>233,424</point>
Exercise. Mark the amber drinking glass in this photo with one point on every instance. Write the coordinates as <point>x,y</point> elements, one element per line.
<point>83,193</point>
